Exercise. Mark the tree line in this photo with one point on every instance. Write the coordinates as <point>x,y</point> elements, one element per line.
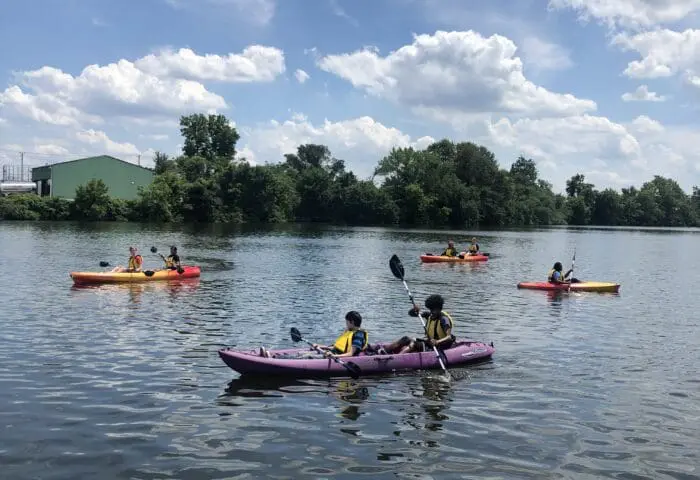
<point>447,184</point>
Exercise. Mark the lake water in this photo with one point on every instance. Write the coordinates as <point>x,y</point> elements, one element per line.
<point>125,381</point>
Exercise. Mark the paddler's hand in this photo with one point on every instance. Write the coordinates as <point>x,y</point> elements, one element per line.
<point>414,311</point>
<point>432,342</point>
<point>327,354</point>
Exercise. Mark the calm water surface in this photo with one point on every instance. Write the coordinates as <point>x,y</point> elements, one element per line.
<point>125,382</point>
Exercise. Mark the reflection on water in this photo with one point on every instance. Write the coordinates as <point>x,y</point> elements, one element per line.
<point>123,381</point>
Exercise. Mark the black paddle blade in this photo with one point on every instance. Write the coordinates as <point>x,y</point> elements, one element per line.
<point>104,264</point>
<point>180,270</point>
<point>296,336</point>
<point>149,273</point>
<point>354,369</point>
<point>154,250</point>
<point>396,267</point>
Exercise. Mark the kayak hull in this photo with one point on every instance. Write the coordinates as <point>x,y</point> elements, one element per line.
<point>444,259</point>
<point>610,287</point>
<point>86,278</point>
<point>252,363</point>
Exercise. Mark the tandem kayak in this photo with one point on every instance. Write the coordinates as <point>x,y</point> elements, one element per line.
<point>124,277</point>
<point>251,362</point>
<point>430,258</point>
<point>575,287</point>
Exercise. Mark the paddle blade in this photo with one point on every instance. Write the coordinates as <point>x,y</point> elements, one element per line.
<point>180,270</point>
<point>154,250</point>
<point>396,267</point>
<point>354,369</point>
<point>149,273</point>
<point>104,264</point>
<point>296,336</point>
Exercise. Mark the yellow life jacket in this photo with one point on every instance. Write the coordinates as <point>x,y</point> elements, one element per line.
<point>550,276</point>
<point>132,262</point>
<point>473,248</point>
<point>434,327</point>
<point>344,342</point>
<point>450,252</point>
<point>169,263</point>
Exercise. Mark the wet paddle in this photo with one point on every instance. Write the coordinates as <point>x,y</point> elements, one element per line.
<point>573,261</point>
<point>398,271</point>
<point>351,367</point>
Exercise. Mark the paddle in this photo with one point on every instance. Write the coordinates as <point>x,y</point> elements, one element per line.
<point>573,261</point>
<point>351,367</point>
<point>179,269</point>
<point>398,271</point>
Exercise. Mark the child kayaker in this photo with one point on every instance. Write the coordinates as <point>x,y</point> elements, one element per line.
<point>351,342</point>
<point>439,327</point>
<point>450,250</point>
<point>555,275</point>
<point>473,248</point>
<point>135,262</point>
<point>172,261</point>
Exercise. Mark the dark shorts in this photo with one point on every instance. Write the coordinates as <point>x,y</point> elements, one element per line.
<point>422,345</point>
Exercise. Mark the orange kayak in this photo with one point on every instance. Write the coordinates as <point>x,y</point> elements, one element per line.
<point>430,258</point>
<point>145,276</point>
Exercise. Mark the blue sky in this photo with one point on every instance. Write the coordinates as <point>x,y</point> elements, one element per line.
<point>608,88</point>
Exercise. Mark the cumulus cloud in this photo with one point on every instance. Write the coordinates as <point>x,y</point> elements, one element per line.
<point>301,75</point>
<point>544,55</point>
<point>163,84</point>
<point>630,13</point>
<point>99,139</point>
<point>452,74</point>
<point>663,53</point>
<point>642,94</point>
<point>256,63</point>
<point>361,142</point>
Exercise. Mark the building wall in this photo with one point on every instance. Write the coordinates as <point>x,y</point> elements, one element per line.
<point>122,178</point>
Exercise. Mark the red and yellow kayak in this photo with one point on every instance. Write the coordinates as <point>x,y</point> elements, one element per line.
<point>430,258</point>
<point>145,276</point>
<point>575,287</point>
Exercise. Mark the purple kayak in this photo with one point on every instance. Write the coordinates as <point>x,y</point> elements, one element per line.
<point>251,362</point>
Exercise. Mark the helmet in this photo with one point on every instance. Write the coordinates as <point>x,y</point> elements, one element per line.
<point>434,302</point>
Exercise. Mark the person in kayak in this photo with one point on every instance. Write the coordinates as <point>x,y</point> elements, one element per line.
<point>438,326</point>
<point>135,262</point>
<point>473,248</point>
<point>172,261</point>
<point>555,275</point>
<point>450,251</point>
<point>350,343</point>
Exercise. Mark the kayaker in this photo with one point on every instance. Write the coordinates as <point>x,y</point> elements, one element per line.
<point>473,248</point>
<point>439,327</point>
<point>450,251</point>
<point>172,261</point>
<point>555,275</point>
<point>135,262</point>
<point>351,342</point>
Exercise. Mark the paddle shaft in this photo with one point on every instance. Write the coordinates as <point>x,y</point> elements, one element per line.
<point>573,261</point>
<point>425,327</point>
<point>319,350</point>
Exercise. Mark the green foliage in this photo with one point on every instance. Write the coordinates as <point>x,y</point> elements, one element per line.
<point>445,185</point>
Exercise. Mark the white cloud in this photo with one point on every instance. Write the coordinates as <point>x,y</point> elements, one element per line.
<point>301,75</point>
<point>50,149</point>
<point>256,63</point>
<point>630,13</point>
<point>155,136</point>
<point>544,55</point>
<point>453,73</point>
<point>642,94</point>
<point>156,85</point>
<point>664,53</point>
<point>99,139</point>
<point>632,152</point>
<point>361,142</point>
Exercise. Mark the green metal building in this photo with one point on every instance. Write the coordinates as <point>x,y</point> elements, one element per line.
<point>122,178</point>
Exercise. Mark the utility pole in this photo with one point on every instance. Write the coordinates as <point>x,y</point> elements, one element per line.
<point>21,166</point>
<point>139,159</point>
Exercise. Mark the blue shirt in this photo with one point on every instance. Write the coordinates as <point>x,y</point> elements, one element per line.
<point>358,340</point>
<point>556,276</point>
